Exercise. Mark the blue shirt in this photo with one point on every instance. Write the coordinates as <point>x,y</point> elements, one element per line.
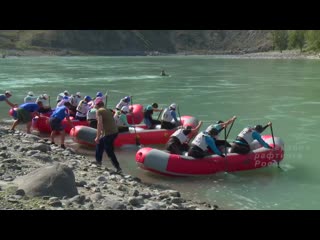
<point>174,115</point>
<point>212,144</point>
<point>2,97</point>
<point>257,136</point>
<point>60,113</point>
<point>31,107</point>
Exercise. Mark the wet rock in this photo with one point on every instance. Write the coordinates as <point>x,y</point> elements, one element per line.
<point>16,147</point>
<point>3,148</point>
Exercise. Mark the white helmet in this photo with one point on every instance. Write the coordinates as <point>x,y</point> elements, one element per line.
<point>45,96</point>
<point>125,109</point>
<point>173,106</point>
<point>30,93</point>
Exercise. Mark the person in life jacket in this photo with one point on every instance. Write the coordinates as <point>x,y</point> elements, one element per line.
<point>75,99</point>
<point>91,117</point>
<point>147,115</point>
<point>205,142</point>
<point>4,97</point>
<point>30,98</point>
<point>219,126</point>
<point>62,95</point>
<point>123,102</point>
<point>83,108</point>
<point>242,143</point>
<point>99,97</point>
<point>179,140</point>
<point>44,98</point>
<point>168,115</point>
<point>120,119</point>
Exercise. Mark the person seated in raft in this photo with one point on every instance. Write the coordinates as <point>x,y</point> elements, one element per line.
<point>62,95</point>
<point>167,116</point>
<point>99,97</point>
<point>205,142</point>
<point>75,99</point>
<point>44,98</point>
<point>83,109</point>
<point>219,126</point>
<point>124,102</point>
<point>179,140</point>
<point>4,98</point>
<point>25,113</point>
<point>91,117</point>
<point>120,119</point>
<point>242,143</point>
<point>30,98</point>
<point>147,115</point>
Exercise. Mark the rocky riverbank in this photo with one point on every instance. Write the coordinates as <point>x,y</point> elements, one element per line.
<point>287,54</point>
<point>37,175</point>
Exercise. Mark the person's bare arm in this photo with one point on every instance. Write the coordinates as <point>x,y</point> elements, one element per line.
<point>99,127</point>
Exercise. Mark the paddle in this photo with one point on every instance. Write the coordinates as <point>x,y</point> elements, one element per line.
<point>274,145</point>
<point>225,149</point>
<point>49,102</point>
<point>159,114</point>
<point>134,127</point>
<point>230,129</point>
<point>179,115</point>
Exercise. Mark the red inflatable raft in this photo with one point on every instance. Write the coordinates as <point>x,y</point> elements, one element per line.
<point>165,163</point>
<point>86,135</point>
<point>42,123</point>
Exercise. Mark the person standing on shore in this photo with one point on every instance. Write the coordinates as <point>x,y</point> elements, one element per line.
<point>107,132</point>
<point>25,113</point>
<point>56,122</point>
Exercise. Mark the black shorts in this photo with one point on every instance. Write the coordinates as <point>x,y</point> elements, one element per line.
<point>56,124</point>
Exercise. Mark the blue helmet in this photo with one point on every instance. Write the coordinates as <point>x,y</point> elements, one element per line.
<point>87,98</point>
<point>127,99</point>
<point>99,94</point>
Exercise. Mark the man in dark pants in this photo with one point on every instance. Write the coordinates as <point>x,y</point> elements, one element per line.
<point>107,132</point>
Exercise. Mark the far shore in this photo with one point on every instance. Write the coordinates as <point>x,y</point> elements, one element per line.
<point>287,54</point>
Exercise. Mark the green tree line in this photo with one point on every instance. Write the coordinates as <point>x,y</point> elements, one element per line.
<point>305,40</point>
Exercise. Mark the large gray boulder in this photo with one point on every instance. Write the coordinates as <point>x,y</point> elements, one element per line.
<point>55,180</point>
